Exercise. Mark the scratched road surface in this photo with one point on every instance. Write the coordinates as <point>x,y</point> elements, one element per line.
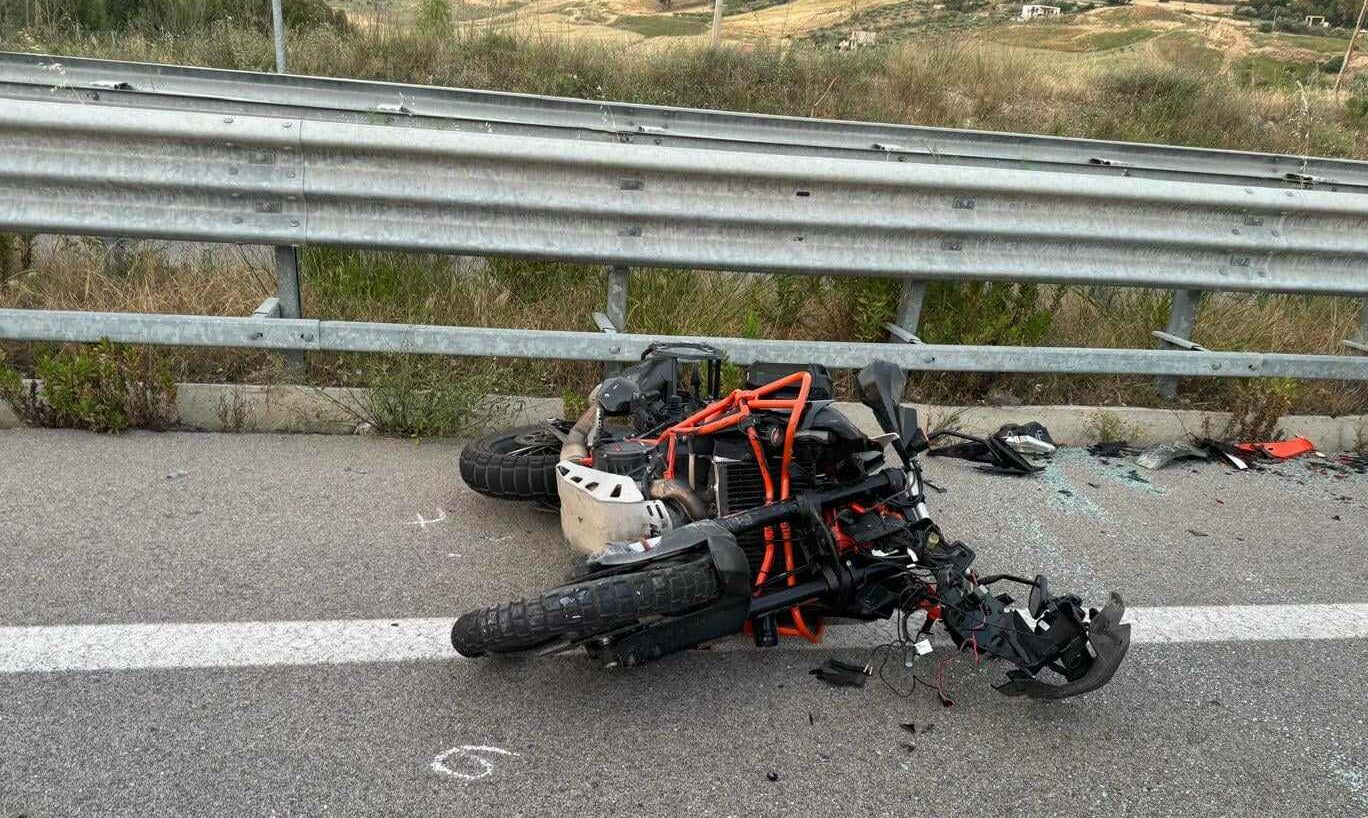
<point>272,610</point>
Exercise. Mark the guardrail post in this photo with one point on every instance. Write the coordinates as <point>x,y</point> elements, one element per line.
<point>1360,340</point>
<point>287,291</point>
<point>616,308</point>
<point>116,255</point>
<point>909,310</point>
<point>1182,319</point>
<point>278,29</point>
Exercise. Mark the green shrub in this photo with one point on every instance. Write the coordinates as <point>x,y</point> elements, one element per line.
<point>103,388</point>
<point>415,396</point>
<point>986,313</point>
<point>1356,106</point>
<point>868,304</point>
<point>1257,408</point>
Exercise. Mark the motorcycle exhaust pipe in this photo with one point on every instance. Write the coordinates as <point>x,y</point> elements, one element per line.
<point>576,445</point>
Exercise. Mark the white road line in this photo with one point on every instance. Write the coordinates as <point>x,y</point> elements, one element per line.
<point>222,644</point>
<point>58,648</point>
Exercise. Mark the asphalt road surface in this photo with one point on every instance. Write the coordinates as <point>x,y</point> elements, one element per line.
<point>197,624</point>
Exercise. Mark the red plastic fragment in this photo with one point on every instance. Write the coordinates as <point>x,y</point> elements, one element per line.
<point>1279,449</point>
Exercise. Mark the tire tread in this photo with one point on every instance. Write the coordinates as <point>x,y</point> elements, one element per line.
<point>585,608</point>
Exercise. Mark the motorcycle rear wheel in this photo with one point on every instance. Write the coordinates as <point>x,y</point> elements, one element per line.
<point>583,609</point>
<point>515,464</point>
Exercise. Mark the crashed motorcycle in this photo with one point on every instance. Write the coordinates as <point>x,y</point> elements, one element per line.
<point>767,512</point>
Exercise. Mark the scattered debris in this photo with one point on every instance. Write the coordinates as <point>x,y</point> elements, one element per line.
<point>908,747</point>
<point>1029,438</point>
<point>1342,465</point>
<point>772,775</point>
<point>1113,448</point>
<point>910,727</point>
<point>1068,497</point>
<point>934,487</point>
<point>1194,532</point>
<point>1003,452</point>
<point>176,475</point>
<point>1159,456</point>
<point>1224,452</point>
<point>1279,449</point>
<point>842,674</point>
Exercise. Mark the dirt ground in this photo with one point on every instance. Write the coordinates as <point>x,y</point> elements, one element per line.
<point>1179,31</point>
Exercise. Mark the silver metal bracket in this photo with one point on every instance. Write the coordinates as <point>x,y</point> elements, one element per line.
<point>270,308</point>
<point>1178,341</point>
<point>902,334</point>
<point>1361,346</point>
<point>605,324</point>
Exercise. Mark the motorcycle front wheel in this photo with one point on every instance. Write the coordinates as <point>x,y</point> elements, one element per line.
<point>584,609</point>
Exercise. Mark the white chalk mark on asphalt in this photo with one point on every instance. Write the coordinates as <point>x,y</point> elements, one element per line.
<point>59,648</point>
<point>423,522</point>
<point>468,752</point>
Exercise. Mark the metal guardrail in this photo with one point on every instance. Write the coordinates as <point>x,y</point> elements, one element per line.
<point>70,168</point>
<point>39,76</point>
<point>137,165</point>
<point>355,336</point>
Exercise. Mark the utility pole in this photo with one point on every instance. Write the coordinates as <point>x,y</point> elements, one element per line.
<point>278,24</point>
<point>1349,52</point>
<point>717,23</point>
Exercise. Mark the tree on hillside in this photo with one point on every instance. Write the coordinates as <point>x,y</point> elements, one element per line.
<point>434,17</point>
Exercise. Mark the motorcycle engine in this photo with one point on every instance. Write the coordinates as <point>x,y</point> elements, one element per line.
<point>630,458</point>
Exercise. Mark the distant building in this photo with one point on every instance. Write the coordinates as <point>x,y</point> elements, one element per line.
<point>1316,20</point>
<point>859,39</point>
<point>1032,12</point>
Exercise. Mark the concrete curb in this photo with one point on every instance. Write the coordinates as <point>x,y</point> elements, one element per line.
<point>293,408</point>
<point>213,407</point>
